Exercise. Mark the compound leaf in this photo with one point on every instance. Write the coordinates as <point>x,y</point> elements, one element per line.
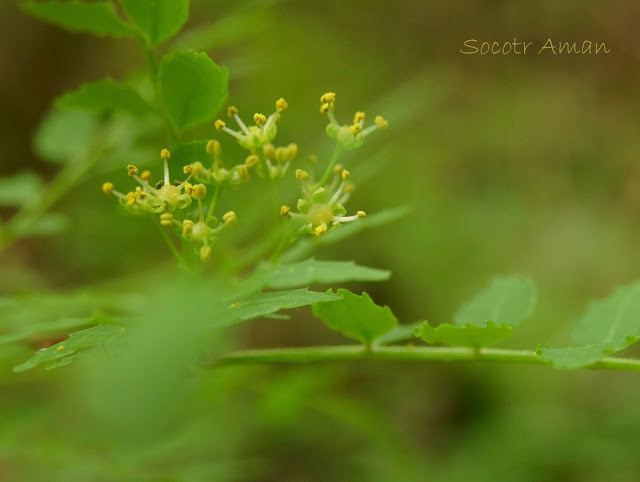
<point>356,317</point>
<point>508,299</point>
<point>193,87</point>
<point>89,339</point>
<point>97,18</point>
<point>157,20</point>
<point>470,335</point>
<point>585,355</point>
<point>105,95</point>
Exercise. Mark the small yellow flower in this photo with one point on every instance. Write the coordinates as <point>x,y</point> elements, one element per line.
<point>219,124</point>
<point>328,98</point>
<point>165,155</point>
<point>355,129</point>
<point>232,110</point>
<point>259,119</point>
<point>132,170</point>
<point>281,105</point>
<point>380,122</point>
<point>107,187</point>
<point>360,116</point>
<point>345,174</point>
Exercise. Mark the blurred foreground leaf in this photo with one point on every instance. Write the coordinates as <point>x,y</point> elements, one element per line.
<point>48,224</point>
<point>65,135</point>
<point>20,189</point>
<point>98,18</point>
<point>356,317</point>
<point>470,335</point>
<point>104,96</point>
<point>157,20</point>
<point>60,325</point>
<point>193,87</point>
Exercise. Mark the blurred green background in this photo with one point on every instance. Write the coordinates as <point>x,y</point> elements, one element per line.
<point>512,164</point>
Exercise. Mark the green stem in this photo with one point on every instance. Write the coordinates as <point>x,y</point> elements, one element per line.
<point>337,152</point>
<point>214,203</point>
<point>359,352</point>
<point>179,259</point>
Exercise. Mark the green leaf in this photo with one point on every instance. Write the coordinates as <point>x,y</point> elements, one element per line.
<point>157,20</point>
<point>20,189</point>
<point>304,247</point>
<point>508,299</point>
<point>610,319</point>
<point>356,317</point>
<point>263,305</point>
<point>190,152</point>
<point>75,345</point>
<point>65,135</point>
<point>313,271</point>
<point>400,333</point>
<point>48,328</point>
<point>585,355</point>
<point>48,224</point>
<point>192,86</point>
<point>98,18</point>
<point>470,335</point>
<point>103,96</point>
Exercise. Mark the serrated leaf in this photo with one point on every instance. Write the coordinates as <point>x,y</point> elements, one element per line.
<point>356,317</point>
<point>20,189</point>
<point>470,335</point>
<point>267,304</point>
<point>192,86</point>
<point>98,18</point>
<point>65,135</point>
<point>105,96</point>
<point>400,333</point>
<point>508,299</point>
<point>611,318</point>
<point>73,346</point>
<point>305,246</point>
<point>157,20</point>
<point>312,271</point>
<point>585,355</point>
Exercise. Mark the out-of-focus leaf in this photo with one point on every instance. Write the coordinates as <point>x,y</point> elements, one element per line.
<point>98,18</point>
<point>157,20</point>
<point>20,189</point>
<point>356,317</point>
<point>60,325</point>
<point>193,87</point>
<point>48,224</point>
<point>65,135</point>
<point>77,342</point>
<point>585,355</point>
<point>105,95</point>
<point>508,299</point>
<point>313,271</point>
<point>400,333</point>
<point>470,335</point>
<point>190,152</point>
<point>304,247</point>
<point>267,304</point>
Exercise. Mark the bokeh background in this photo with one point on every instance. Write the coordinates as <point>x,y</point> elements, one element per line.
<point>512,164</point>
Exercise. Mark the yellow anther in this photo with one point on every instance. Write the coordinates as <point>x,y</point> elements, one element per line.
<point>60,348</point>
<point>107,187</point>
<point>131,198</point>
<point>284,210</point>
<point>196,168</point>
<point>188,188</point>
<point>132,170</point>
<point>281,154</point>
<point>345,174</point>
<point>219,124</point>
<point>338,168</point>
<point>349,187</point>
<point>361,214</point>
<point>146,175</point>
<point>187,227</point>
<point>187,170</point>
<point>269,150</point>
<point>205,253</point>
<point>355,128</point>
<point>281,105</point>
<point>243,172</point>
<point>213,147</point>
<point>199,191</point>
<point>324,108</point>
<point>252,160</point>
<point>166,219</point>
<point>140,194</point>
<point>230,218</point>
<point>301,174</point>
<point>232,110</point>
<point>328,98</point>
<point>358,117</point>
<point>259,119</point>
<point>292,151</point>
<point>380,122</point>
<point>165,154</point>
<point>321,229</point>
